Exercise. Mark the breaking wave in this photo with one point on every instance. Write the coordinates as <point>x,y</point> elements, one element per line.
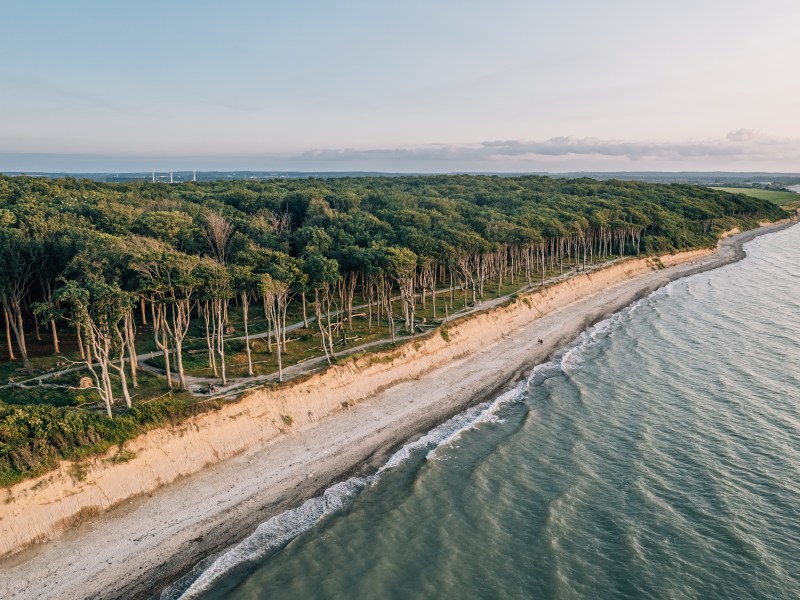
<point>275,533</point>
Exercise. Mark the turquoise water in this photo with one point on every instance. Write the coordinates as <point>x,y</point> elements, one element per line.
<point>658,457</point>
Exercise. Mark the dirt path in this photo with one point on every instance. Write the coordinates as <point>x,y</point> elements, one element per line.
<point>236,385</point>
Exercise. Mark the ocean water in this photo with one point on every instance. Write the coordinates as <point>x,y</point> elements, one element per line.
<point>657,457</point>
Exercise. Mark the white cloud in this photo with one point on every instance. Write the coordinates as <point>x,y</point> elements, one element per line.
<point>743,144</point>
<point>740,150</point>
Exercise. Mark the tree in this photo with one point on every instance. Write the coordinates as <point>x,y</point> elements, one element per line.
<point>401,264</point>
<point>276,294</point>
<point>215,290</point>
<point>172,227</point>
<point>169,278</point>
<point>245,283</point>
<point>103,310</point>
<point>322,275</point>
<point>218,233</point>
<point>17,255</point>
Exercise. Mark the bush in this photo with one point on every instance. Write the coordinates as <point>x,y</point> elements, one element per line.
<point>34,438</point>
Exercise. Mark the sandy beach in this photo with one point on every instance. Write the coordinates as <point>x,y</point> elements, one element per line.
<point>143,544</point>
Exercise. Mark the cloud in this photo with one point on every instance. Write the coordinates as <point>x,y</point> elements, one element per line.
<point>743,135</point>
<point>744,145</point>
<point>741,150</point>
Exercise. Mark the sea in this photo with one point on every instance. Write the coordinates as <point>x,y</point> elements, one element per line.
<point>658,456</point>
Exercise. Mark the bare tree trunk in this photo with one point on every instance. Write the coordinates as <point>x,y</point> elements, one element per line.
<point>386,292</point>
<point>275,312</point>
<point>367,288</point>
<point>211,336</point>
<point>221,312</point>
<point>101,350</point>
<point>179,363</point>
<point>161,338</point>
<point>130,341</point>
<point>353,279</point>
<point>282,306</point>
<point>80,340</point>
<point>108,393</point>
<point>56,349</point>
<point>17,326</point>
<point>268,316</point>
<point>123,382</point>
<point>36,327</point>
<point>8,337</point>
<point>245,309</point>
<point>318,311</point>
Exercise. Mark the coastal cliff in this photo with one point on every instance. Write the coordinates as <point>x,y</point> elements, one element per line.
<point>40,509</point>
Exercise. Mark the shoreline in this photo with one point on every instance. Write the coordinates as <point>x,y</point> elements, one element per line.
<point>349,442</point>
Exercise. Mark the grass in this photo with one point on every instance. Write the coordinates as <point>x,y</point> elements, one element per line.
<point>774,196</point>
<point>303,344</point>
<point>34,438</point>
<point>53,420</point>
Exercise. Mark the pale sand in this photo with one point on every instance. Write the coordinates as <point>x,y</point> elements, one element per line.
<point>138,547</point>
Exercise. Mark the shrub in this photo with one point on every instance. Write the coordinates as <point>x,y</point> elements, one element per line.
<point>34,438</point>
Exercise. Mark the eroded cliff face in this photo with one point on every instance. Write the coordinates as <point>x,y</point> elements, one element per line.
<point>42,508</point>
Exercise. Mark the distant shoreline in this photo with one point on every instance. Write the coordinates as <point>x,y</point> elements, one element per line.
<point>332,448</point>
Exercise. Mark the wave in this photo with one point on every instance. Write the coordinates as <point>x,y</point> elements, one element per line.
<point>576,352</point>
<point>275,533</point>
<point>281,529</point>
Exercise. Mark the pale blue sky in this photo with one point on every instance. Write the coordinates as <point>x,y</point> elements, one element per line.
<point>403,86</point>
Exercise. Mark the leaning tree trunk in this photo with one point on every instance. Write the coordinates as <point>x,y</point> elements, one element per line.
<point>160,337</point>
<point>318,311</point>
<point>8,337</point>
<point>211,336</point>
<point>18,327</point>
<point>130,342</point>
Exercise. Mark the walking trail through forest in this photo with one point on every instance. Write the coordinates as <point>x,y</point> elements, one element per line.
<point>236,385</point>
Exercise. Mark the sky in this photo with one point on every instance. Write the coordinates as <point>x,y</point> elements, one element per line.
<point>412,86</point>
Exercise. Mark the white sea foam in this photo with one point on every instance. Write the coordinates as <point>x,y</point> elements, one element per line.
<point>575,353</point>
<point>487,412</point>
<point>281,529</point>
<point>273,534</point>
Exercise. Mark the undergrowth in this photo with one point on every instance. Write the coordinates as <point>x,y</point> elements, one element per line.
<point>34,438</point>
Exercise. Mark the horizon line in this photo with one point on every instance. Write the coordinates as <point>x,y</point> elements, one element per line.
<point>378,172</point>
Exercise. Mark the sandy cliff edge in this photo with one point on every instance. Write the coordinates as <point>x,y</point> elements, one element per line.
<point>140,545</point>
<point>40,509</point>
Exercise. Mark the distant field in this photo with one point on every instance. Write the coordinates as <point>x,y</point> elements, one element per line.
<point>772,196</point>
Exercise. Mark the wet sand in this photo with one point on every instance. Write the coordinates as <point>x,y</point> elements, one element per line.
<point>137,548</point>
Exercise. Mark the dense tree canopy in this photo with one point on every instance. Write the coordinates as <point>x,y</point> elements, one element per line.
<point>98,264</point>
<point>175,248</point>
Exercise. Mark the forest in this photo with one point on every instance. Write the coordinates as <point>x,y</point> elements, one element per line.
<point>119,299</point>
